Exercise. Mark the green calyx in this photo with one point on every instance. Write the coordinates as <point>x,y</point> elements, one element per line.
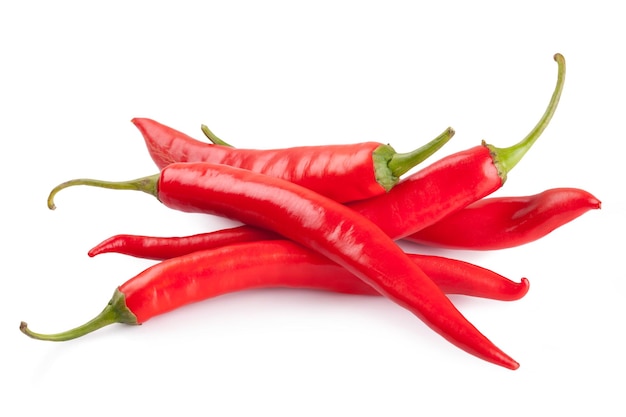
<point>145,184</point>
<point>505,159</point>
<point>389,165</point>
<point>115,312</point>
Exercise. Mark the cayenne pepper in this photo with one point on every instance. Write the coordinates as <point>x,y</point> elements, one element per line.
<point>344,173</point>
<point>319,223</point>
<point>505,222</point>
<point>488,224</point>
<point>166,285</point>
<point>453,276</point>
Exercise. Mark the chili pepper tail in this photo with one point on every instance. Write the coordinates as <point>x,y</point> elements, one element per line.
<point>159,248</point>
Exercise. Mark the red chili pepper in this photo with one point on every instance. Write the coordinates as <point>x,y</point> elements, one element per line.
<point>504,222</point>
<point>344,173</point>
<point>488,224</point>
<point>451,275</point>
<point>205,274</point>
<point>320,224</point>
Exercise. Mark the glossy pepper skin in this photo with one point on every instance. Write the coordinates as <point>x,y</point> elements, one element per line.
<point>318,223</point>
<point>488,224</point>
<point>432,193</point>
<point>201,275</point>
<point>504,222</point>
<point>281,263</point>
<point>451,275</point>
<point>344,173</point>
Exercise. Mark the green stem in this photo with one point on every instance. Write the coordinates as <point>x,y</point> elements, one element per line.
<point>507,158</point>
<point>212,137</point>
<point>390,165</point>
<point>115,312</point>
<point>401,163</point>
<point>145,184</point>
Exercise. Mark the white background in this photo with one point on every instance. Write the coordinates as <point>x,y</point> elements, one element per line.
<point>274,74</point>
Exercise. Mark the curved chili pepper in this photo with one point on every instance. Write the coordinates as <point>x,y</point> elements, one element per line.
<point>344,173</point>
<point>505,222</point>
<point>451,275</point>
<point>320,224</point>
<point>488,224</point>
<point>201,275</point>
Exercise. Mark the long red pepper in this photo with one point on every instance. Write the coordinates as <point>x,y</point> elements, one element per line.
<point>443,187</point>
<point>505,222</point>
<point>347,172</point>
<point>451,275</point>
<point>201,275</point>
<point>488,224</point>
<point>320,224</point>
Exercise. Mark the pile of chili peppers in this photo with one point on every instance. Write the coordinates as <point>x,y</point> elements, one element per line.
<point>328,218</point>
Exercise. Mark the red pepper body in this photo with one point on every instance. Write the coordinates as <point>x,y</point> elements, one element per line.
<point>327,227</point>
<point>266,264</point>
<point>433,192</point>
<point>204,274</point>
<point>488,224</point>
<point>504,222</point>
<point>341,172</point>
